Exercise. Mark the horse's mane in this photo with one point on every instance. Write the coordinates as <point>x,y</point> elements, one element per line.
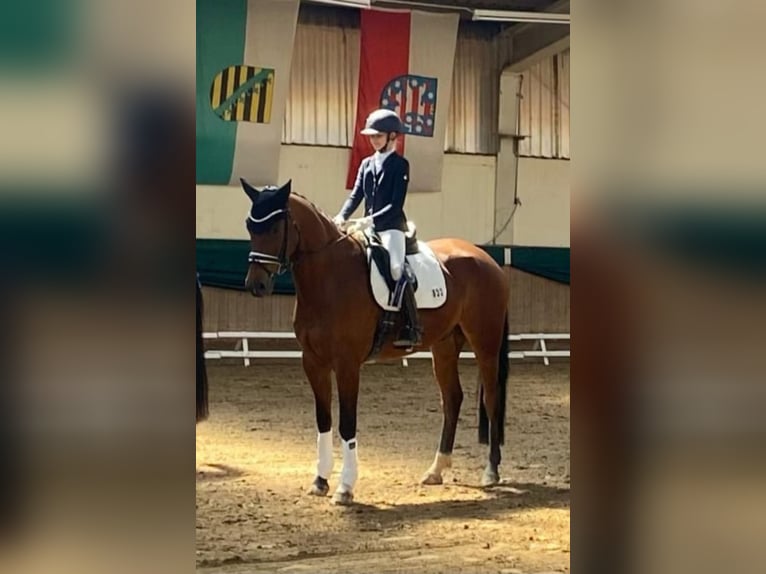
<point>357,238</point>
<point>311,205</point>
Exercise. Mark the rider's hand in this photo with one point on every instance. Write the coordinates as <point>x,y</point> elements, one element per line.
<point>366,222</point>
<point>339,220</point>
<point>359,225</point>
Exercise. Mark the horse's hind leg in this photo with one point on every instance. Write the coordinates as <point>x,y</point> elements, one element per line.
<point>445,362</point>
<point>488,369</point>
<point>488,346</point>
<point>321,383</point>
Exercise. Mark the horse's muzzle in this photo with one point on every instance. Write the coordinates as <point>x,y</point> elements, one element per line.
<point>261,288</point>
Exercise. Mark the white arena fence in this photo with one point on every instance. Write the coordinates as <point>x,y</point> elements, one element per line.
<point>538,341</point>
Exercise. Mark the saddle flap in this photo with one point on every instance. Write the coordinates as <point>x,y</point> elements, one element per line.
<point>432,286</point>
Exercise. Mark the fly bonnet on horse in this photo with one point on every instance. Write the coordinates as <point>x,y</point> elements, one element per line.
<point>269,205</point>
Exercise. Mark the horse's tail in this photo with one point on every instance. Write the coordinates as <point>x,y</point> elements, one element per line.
<point>202,407</point>
<point>502,383</point>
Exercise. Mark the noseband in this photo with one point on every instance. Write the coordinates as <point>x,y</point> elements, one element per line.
<point>281,260</point>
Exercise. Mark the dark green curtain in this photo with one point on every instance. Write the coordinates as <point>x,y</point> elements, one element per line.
<point>549,262</point>
<point>223,263</point>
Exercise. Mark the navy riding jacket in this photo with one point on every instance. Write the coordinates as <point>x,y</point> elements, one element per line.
<point>379,190</point>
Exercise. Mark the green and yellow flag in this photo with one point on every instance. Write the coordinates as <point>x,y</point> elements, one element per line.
<point>244,50</point>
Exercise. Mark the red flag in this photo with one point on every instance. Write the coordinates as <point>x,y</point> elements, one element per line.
<point>406,65</point>
<point>385,55</point>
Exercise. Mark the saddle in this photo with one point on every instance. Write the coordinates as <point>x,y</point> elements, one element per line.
<point>422,267</point>
<point>379,255</point>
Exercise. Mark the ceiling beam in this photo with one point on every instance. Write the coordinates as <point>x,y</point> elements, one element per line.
<point>520,16</point>
<point>477,14</point>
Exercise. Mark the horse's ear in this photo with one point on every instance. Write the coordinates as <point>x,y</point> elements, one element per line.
<point>284,191</point>
<point>251,192</point>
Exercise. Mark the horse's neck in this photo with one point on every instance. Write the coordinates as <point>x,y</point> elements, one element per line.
<point>323,247</point>
<point>316,229</point>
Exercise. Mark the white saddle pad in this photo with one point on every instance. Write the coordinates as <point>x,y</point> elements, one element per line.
<point>432,287</point>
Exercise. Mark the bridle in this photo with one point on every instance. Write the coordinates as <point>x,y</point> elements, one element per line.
<point>282,260</point>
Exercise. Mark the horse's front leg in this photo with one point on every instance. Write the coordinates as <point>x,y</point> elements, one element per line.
<point>319,377</point>
<point>347,377</point>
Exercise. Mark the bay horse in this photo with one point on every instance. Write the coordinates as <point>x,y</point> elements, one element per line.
<point>202,400</point>
<point>335,320</point>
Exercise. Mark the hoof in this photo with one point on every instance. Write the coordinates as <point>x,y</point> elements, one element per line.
<point>431,478</point>
<point>343,498</point>
<point>320,487</point>
<point>490,478</point>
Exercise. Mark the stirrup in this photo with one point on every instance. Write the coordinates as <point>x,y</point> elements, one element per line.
<point>408,337</point>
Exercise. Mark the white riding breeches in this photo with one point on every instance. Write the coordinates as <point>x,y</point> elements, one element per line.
<point>394,242</point>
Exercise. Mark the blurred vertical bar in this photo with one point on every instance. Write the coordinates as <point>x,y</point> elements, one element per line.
<point>669,276</point>
<point>96,302</point>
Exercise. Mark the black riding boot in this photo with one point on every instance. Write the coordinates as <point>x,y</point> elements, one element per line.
<point>410,335</point>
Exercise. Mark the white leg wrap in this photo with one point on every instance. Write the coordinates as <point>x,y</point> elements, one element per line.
<point>350,471</point>
<point>324,454</point>
<point>441,461</point>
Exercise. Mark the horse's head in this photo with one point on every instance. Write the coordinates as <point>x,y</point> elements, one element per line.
<point>273,237</point>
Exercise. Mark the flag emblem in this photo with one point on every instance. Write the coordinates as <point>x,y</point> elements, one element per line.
<point>414,99</point>
<point>243,93</point>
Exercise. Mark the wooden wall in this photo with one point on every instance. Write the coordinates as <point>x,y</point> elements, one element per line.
<point>536,305</point>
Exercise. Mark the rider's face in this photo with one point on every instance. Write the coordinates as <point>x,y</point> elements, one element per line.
<point>378,141</point>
